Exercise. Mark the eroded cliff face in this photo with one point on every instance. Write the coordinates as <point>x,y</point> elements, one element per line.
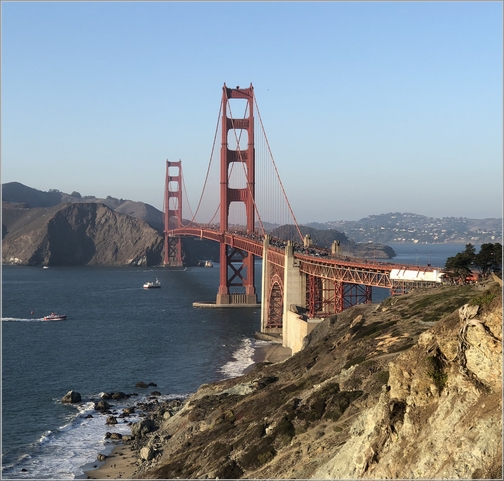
<point>440,413</point>
<point>79,234</point>
<point>407,389</point>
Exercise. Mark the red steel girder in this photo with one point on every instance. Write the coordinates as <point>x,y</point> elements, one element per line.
<point>372,276</point>
<point>354,294</point>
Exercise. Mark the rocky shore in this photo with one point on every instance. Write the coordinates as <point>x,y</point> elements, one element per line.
<point>410,388</point>
<point>128,455</point>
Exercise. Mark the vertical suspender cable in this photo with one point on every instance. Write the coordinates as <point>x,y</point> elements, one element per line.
<point>278,176</point>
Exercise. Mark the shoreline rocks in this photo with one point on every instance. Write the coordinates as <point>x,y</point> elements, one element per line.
<point>71,397</point>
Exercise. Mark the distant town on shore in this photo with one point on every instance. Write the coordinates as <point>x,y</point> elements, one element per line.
<point>397,228</point>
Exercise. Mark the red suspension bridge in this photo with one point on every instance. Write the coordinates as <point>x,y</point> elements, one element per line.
<point>251,201</point>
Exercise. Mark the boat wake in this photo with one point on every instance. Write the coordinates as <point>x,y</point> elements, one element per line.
<point>22,319</point>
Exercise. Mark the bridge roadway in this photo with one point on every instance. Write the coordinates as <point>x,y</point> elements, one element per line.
<point>320,263</point>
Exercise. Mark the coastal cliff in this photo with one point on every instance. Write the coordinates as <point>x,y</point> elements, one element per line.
<point>409,388</point>
<point>77,234</point>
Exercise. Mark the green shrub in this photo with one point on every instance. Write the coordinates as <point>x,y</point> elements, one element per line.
<point>434,369</point>
<point>383,377</point>
<point>483,300</point>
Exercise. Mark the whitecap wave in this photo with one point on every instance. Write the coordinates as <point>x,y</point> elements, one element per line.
<point>63,452</point>
<point>243,358</point>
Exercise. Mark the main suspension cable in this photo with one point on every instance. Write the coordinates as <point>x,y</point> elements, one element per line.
<point>209,165</point>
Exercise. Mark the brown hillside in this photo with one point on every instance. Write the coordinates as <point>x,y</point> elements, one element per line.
<point>407,389</point>
<point>77,234</point>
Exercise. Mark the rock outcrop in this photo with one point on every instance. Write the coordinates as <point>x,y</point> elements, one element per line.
<point>77,234</point>
<point>71,397</point>
<point>407,389</point>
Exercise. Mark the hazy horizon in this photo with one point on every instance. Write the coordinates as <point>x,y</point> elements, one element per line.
<point>306,222</point>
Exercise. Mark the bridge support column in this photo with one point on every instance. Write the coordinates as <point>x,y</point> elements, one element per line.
<point>173,214</point>
<point>237,266</point>
<point>265,280</point>
<point>294,289</point>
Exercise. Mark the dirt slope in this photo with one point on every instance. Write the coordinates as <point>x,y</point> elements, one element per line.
<point>407,389</point>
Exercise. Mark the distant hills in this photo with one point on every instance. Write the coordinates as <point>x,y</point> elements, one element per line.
<point>85,233</point>
<point>397,228</point>
<point>55,228</point>
<point>15,192</point>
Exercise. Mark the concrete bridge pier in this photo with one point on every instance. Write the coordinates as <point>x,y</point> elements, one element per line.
<point>295,323</point>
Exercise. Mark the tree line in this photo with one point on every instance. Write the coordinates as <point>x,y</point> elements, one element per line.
<point>463,265</point>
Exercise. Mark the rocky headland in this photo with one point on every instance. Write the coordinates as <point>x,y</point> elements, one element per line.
<point>77,234</point>
<point>410,388</point>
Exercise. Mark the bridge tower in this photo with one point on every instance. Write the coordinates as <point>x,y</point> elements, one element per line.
<point>173,214</point>
<point>237,266</point>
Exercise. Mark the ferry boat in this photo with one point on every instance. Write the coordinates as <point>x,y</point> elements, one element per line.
<point>54,317</point>
<point>205,264</point>
<point>152,285</point>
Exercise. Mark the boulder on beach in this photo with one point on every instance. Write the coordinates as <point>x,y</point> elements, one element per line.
<point>146,453</point>
<point>118,395</point>
<point>71,397</point>
<point>142,427</point>
<point>101,457</point>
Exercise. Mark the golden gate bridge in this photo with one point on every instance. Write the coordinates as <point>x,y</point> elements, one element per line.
<point>298,278</point>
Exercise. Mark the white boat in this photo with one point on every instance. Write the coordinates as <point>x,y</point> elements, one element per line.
<point>152,285</point>
<point>54,317</point>
<point>205,264</point>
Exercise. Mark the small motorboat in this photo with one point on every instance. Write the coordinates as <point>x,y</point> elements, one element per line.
<point>205,264</point>
<point>152,285</point>
<point>54,317</point>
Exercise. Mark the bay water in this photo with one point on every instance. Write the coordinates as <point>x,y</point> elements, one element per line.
<point>116,334</point>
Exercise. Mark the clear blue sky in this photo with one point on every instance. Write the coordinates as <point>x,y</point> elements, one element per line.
<point>369,107</point>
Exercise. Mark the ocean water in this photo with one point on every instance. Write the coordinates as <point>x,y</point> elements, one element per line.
<point>116,334</point>
<point>424,254</point>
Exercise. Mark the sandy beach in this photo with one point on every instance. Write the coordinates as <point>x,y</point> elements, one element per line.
<point>121,462</point>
